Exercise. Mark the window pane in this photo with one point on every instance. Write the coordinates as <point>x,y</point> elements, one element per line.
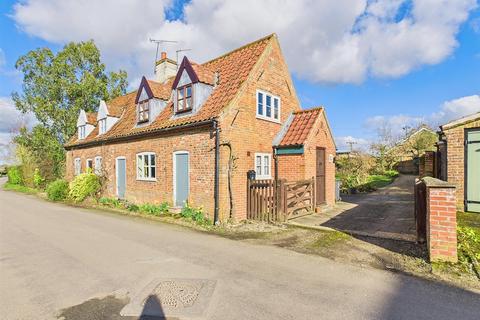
<point>180,105</point>
<point>145,160</point>
<point>266,164</point>
<point>140,166</point>
<point>268,111</point>
<point>152,172</point>
<point>275,109</point>
<point>180,93</point>
<point>189,103</point>
<point>152,159</point>
<point>259,165</point>
<point>260,103</point>
<point>188,91</point>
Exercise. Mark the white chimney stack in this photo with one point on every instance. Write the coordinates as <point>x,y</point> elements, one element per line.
<point>165,68</point>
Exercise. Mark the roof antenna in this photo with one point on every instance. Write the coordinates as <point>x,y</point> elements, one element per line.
<point>158,41</point>
<point>181,50</point>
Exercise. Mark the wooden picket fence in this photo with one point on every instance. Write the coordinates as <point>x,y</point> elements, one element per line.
<point>277,202</point>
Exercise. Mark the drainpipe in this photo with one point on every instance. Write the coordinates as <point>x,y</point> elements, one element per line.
<point>217,169</point>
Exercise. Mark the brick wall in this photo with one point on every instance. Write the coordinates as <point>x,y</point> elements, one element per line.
<point>197,142</point>
<point>455,158</point>
<point>291,167</point>
<point>247,134</point>
<point>441,223</point>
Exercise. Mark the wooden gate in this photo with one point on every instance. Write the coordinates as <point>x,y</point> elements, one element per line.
<point>270,202</point>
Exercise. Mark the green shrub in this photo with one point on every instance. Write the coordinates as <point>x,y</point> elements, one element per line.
<point>391,173</point>
<point>57,190</point>
<point>38,180</point>
<point>469,249</point>
<point>132,207</point>
<point>195,214</point>
<point>84,185</point>
<point>110,202</point>
<point>14,175</point>
<point>154,209</point>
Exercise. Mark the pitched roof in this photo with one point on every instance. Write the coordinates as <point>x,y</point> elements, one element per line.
<point>300,127</point>
<point>204,74</point>
<point>91,117</point>
<point>233,69</point>
<point>118,104</point>
<point>461,121</point>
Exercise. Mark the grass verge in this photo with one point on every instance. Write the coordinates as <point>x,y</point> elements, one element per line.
<point>20,188</point>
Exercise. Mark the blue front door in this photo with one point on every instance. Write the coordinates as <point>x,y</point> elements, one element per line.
<point>181,182</point>
<point>121,178</point>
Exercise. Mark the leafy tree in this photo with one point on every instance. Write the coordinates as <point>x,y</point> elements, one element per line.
<point>56,86</point>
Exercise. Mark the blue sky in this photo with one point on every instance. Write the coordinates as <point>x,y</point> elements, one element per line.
<point>396,76</point>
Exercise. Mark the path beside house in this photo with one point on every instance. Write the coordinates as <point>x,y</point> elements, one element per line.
<point>385,213</point>
<point>53,256</point>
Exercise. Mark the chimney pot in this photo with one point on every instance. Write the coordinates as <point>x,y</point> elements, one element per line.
<point>163,55</point>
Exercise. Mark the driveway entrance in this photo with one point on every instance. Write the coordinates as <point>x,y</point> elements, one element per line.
<point>387,212</point>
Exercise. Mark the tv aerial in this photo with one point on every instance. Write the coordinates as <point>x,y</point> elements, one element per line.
<point>158,42</point>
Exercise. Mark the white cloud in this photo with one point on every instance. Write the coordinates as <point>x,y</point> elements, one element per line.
<point>11,120</point>
<point>448,111</point>
<point>336,41</point>
<point>359,144</point>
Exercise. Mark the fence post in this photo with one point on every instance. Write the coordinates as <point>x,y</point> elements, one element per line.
<point>313,195</point>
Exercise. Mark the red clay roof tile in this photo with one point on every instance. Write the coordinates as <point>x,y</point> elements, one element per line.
<point>300,127</point>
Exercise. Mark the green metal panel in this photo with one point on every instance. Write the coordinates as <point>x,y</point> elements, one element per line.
<point>473,171</point>
<point>290,150</point>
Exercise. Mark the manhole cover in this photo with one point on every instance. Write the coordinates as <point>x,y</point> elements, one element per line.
<point>172,297</point>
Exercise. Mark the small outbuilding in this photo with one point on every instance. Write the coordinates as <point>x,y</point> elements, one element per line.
<point>459,150</point>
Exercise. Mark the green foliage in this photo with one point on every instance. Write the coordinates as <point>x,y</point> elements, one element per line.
<point>154,209</point>
<point>19,188</point>
<point>195,214</point>
<point>57,190</point>
<point>468,247</point>
<point>38,180</point>
<point>132,207</point>
<point>84,185</point>
<point>14,175</point>
<point>110,202</point>
<point>55,87</point>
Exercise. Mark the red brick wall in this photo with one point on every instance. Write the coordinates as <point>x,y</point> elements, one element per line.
<point>455,158</point>
<point>441,224</point>
<point>197,142</point>
<point>247,134</point>
<point>320,137</point>
<point>291,167</point>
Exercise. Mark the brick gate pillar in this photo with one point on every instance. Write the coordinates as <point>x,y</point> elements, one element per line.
<point>441,220</point>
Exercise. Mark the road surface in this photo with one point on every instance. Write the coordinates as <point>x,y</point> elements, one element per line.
<point>53,257</point>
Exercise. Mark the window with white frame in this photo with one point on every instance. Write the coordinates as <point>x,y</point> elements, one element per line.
<point>146,169</point>
<point>77,166</point>
<point>98,165</point>
<point>184,98</point>
<point>102,125</point>
<point>89,165</point>
<point>81,132</point>
<point>263,165</point>
<point>143,111</point>
<point>268,106</point>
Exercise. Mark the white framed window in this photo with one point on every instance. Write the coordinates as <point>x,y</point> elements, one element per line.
<point>98,165</point>
<point>263,166</point>
<point>146,166</point>
<point>143,111</point>
<point>81,132</point>
<point>268,106</point>
<point>89,165</point>
<point>102,126</point>
<point>77,166</point>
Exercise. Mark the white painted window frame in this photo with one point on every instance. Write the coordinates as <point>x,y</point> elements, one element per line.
<point>262,156</point>
<point>82,131</point>
<point>77,166</point>
<point>143,154</point>
<point>102,126</point>
<point>175,173</point>
<point>264,104</point>
<point>98,165</point>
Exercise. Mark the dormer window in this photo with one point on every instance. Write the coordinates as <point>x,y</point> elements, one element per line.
<point>102,125</point>
<point>81,132</point>
<point>143,111</point>
<point>184,98</point>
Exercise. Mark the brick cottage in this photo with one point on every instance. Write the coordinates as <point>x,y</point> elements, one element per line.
<point>194,132</point>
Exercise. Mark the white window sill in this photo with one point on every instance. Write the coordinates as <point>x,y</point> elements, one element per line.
<point>147,179</point>
<point>268,119</point>
<point>257,177</point>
